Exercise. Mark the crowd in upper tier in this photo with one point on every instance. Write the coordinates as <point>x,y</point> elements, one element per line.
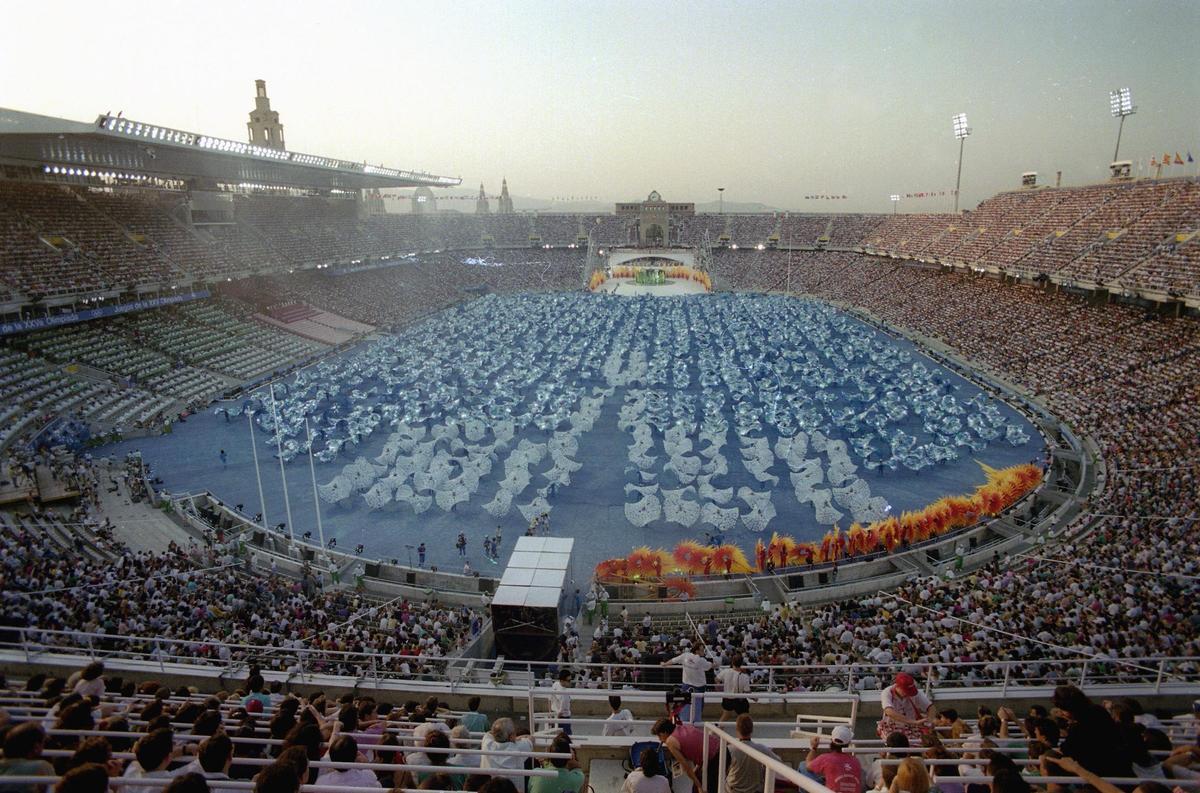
<point>59,240</point>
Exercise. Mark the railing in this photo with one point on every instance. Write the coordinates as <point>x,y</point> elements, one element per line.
<point>769,683</point>
<point>772,769</point>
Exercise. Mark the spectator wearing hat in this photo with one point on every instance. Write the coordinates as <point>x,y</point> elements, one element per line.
<point>905,709</point>
<point>837,770</point>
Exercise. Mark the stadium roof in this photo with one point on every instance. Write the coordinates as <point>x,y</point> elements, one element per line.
<point>111,143</point>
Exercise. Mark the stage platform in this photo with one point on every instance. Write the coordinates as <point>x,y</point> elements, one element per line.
<point>672,288</point>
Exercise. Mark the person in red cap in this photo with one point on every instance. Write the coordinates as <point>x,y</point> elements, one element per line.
<point>905,709</point>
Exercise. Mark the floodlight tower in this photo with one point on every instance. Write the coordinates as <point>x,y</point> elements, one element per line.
<point>721,197</point>
<point>895,202</point>
<point>1121,104</point>
<point>961,131</point>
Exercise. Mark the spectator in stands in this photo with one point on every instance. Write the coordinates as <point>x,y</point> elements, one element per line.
<point>23,747</point>
<point>460,737</point>
<point>620,720</point>
<point>187,783</point>
<point>297,758</point>
<point>91,680</point>
<point>878,776</point>
<point>570,775</point>
<point>745,774</point>
<point>503,738</point>
<point>86,778</point>
<point>948,720</point>
<point>911,777</point>
<point>839,770</point>
<point>278,778</point>
<point>693,668</point>
<point>905,709</point>
<point>344,749</point>
<point>734,682</point>
<point>649,777</point>
<point>153,753</point>
<point>214,758</point>
<point>560,701</point>
<point>687,745</point>
<point>1092,737</point>
<point>473,720</point>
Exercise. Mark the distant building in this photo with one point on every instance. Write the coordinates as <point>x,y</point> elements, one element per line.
<point>506,204</point>
<point>654,217</point>
<point>423,201</point>
<point>264,127</point>
<point>481,204</point>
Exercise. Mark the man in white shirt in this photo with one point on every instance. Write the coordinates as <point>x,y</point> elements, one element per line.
<point>620,721</point>
<point>344,749</point>
<point>734,683</point>
<point>693,667</point>
<point>560,700</point>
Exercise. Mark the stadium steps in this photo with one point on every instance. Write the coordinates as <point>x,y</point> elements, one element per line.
<point>913,563</point>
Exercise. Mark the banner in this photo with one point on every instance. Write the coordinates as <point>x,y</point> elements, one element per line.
<point>41,323</point>
<point>929,194</point>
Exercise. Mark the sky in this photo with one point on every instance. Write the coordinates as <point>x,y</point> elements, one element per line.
<point>775,102</point>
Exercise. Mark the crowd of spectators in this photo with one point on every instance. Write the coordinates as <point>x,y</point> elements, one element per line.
<point>194,602</point>
<point>91,731</point>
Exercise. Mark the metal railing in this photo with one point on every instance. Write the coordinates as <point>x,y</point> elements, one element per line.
<point>769,683</point>
<point>773,769</point>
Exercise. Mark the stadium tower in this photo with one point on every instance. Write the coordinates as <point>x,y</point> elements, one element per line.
<point>264,126</point>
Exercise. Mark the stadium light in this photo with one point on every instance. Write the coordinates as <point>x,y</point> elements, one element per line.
<point>895,202</point>
<point>961,131</point>
<point>1120,104</point>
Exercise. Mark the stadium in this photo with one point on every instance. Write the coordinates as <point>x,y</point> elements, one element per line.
<point>551,500</point>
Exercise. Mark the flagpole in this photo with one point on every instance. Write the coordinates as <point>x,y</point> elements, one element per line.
<point>312,470</point>
<point>287,504</point>
<point>262,501</point>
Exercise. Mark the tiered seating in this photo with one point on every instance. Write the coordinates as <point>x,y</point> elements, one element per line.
<point>849,230</point>
<point>909,233</point>
<point>127,357</point>
<point>1005,222</point>
<point>1068,208</point>
<point>1123,206</point>
<point>32,266</point>
<point>91,241</point>
<point>1176,208</point>
<point>209,336</point>
<point>147,214</point>
<point>802,229</point>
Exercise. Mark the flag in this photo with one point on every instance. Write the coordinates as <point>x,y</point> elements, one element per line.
<point>1153,162</point>
<point>1166,160</point>
<point>1190,157</point>
<point>1178,159</point>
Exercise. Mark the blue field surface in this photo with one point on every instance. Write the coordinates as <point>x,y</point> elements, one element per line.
<point>743,411</point>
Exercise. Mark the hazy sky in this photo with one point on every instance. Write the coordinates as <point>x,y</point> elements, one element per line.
<point>773,101</point>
